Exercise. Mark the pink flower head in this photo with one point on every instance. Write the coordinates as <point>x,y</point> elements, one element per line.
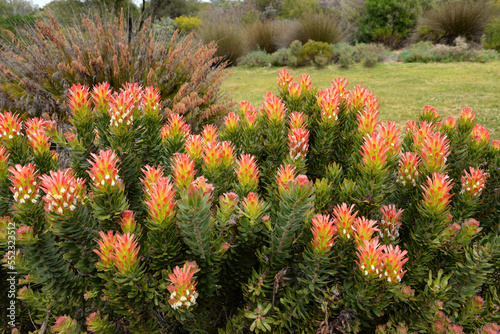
<point>35,130</point>
<point>4,162</point>
<point>79,102</point>
<point>437,194</point>
<point>274,108</point>
<point>454,329</point>
<point>162,203</point>
<point>429,113</point>
<point>392,140</point>
<point>62,190</point>
<point>25,184</point>
<point>121,109</point>
<point>329,101</point>
<point>367,121</point>
<point>201,186</point>
<point>252,207</point>
<point>284,80</point>
<point>390,222</point>
<point>227,154</point>
<point>231,122</point>
<point>209,133</point>
<point>228,202</point>
<point>183,170</point>
<point>344,220</point>
<point>295,91</point>
<point>490,328</point>
<point>104,172</point>
<point>65,324</point>
<point>435,150</point>
<point>151,101</point>
<point>495,144</point>
<point>392,264</point>
<point>135,93</point>
<point>480,134</point>
<point>106,248</point>
<point>470,228</point>
<point>194,146</point>
<point>340,85</point>
<point>10,127</point>
<point>408,169</point>
<point>128,221</point>
<point>183,286</point>
<point>24,233</point>
<point>323,230</point>
<point>473,183</point>
<point>298,143</point>
<point>297,120</point>
<point>467,115</point>
<point>95,322</point>
<point>374,151</point>
<point>305,82</point>
<point>176,128</point>
<point>364,229</point>
<point>370,258</point>
<point>285,175</point>
<point>247,172</point>
<point>249,112</point>
<point>101,95</point>
<point>151,176</point>
<point>125,252</point>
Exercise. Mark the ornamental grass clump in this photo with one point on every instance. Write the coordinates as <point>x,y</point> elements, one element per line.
<point>304,214</point>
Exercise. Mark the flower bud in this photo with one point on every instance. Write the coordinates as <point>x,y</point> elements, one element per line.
<point>182,289</point>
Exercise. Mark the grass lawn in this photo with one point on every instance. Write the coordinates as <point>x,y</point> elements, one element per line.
<point>402,89</point>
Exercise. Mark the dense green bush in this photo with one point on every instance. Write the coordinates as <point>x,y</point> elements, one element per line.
<point>187,23</point>
<point>255,59</point>
<point>283,57</point>
<point>312,49</point>
<point>307,216</point>
<point>427,52</point>
<point>369,54</point>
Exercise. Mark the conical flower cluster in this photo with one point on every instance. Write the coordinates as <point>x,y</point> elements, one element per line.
<point>25,185</point>
<point>182,289</point>
<point>63,191</point>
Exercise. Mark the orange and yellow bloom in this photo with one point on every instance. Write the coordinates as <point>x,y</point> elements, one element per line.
<point>62,190</point>
<point>323,231</point>
<point>25,185</point>
<point>182,289</point>
<point>103,171</point>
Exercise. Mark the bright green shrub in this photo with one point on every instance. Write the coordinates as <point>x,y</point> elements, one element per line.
<point>255,59</point>
<point>309,51</point>
<point>283,57</point>
<point>154,229</point>
<point>492,35</point>
<point>187,23</point>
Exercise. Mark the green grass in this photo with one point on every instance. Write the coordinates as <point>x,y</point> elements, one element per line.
<point>402,89</point>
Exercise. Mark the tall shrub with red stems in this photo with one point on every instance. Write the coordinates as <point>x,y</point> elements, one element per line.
<point>306,214</point>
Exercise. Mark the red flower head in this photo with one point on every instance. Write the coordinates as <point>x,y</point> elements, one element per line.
<point>329,101</point>
<point>121,109</point>
<point>227,154</point>
<point>274,107</point>
<point>231,122</point>
<point>209,133</point>
<point>162,203</point>
<point>4,162</point>
<point>194,146</point>
<point>79,102</point>
<point>128,221</point>
<point>473,183</point>
<point>450,123</point>
<point>65,324</point>
<point>151,177</point>
<point>298,143</point>
<point>25,184</point>
<point>252,207</point>
<point>106,248</point>
<point>62,190</point>
<point>480,134</point>
<point>429,113</point>
<point>323,230</point>
<point>437,194</point>
<point>183,286</point>
<point>434,151</point>
<point>367,121</point>
<point>135,93</point>
<point>212,156</point>
<point>286,174</point>
<point>393,262</point>
<point>495,144</point>
<point>467,115</point>
<point>35,130</point>
<point>10,127</point>
<point>101,95</point>
<point>390,222</point>
<point>340,85</point>
<point>344,220</point>
<point>104,172</point>
<point>392,140</point>
<point>420,134</point>
<point>370,257</point>
<point>247,172</point>
<point>24,233</point>
<point>297,120</point>
<point>360,98</point>
<point>284,80</point>
<point>295,91</point>
<point>364,229</point>
<point>176,128</point>
<point>408,169</point>
<point>248,111</point>
<point>305,82</point>
<point>374,151</point>
<point>125,253</point>
<point>183,170</point>
<point>35,124</point>
<point>151,101</point>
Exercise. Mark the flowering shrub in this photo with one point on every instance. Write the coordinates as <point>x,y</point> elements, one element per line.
<point>306,214</point>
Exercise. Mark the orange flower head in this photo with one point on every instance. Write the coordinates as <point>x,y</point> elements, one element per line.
<point>437,194</point>
<point>79,102</point>
<point>360,98</point>
<point>101,95</point>
<point>449,123</point>
<point>209,133</point>
<point>151,101</point>
<point>367,121</point>
<point>121,109</point>
<point>231,122</point>
<point>194,146</point>
<point>128,223</point>
<point>420,133</point>
<point>212,156</point>
<point>106,248</point>
<point>62,191</point>
<point>435,149</point>
<point>374,151</point>
<point>329,102</point>
<point>392,264</point>
<point>305,82</point>
<point>24,180</point>
<point>103,171</point>
<point>473,183</point>
<point>10,127</point>
<point>390,222</point>
<point>323,231</point>
<point>392,140</point>
<point>39,142</point>
<point>285,175</point>
<point>227,154</point>
<point>4,162</point>
<point>295,91</point>
<point>252,207</point>
<point>344,220</point>
<point>284,80</point>
<point>125,253</point>
<point>370,258</point>
<point>248,111</point>
<point>467,115</point>
<point>364,229</point>
<point>183,286</point>
<point>247,172</point>
<point>480,134</point>
<point>176,128</point>
<point>495,144</point>
<point>274,107</point>
<point>408,168</point>
<point>35,124</point>
<point>297,120</point>
<point>151,177</point>
<point>201,186</point>
<point>298,143</point>
<point>340,85</point>
<point>65,324</point>
<point>135,93</point>
<point>161,205</point>
<point>24,233</point>
<point>429,113</point>
<point>183,170</point>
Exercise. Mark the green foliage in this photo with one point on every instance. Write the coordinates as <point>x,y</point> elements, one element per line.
<point>264,35</point>
<point>297,9</point>
<point>255,59</point>
<point>492,35</point>
<point>228,37</point>
<point>283,57</point>
<point>312,49</point>
<point>187,23</point>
